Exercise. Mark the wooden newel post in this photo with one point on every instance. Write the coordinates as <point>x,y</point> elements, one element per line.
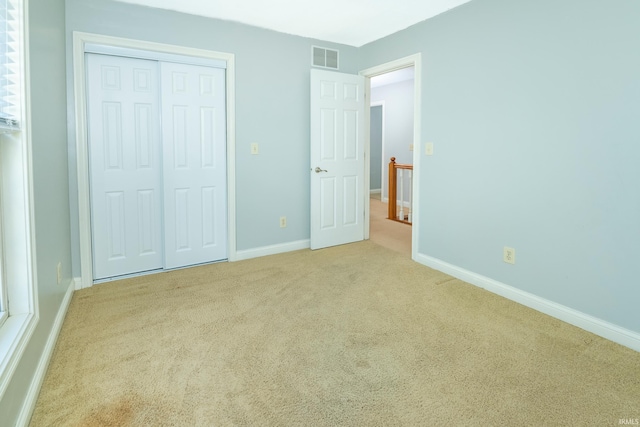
<point>393,184</point>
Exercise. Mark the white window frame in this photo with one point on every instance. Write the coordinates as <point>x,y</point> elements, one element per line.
<point>17,218</point>
<point>4,301</point>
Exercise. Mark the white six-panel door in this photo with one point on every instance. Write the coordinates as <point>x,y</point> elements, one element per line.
<point>157,160</point>
<point>125,165</point>
<point>194,132</point>
<point>337,158</point>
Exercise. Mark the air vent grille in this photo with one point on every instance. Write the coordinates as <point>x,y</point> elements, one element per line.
<point>323,57</point>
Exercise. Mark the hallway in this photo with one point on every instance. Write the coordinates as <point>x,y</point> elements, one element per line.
<point>390,234</point>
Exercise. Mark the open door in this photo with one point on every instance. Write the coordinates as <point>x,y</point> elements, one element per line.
<point>337,159</point>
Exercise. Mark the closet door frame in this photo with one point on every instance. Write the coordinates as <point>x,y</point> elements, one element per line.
<point>80,42</point>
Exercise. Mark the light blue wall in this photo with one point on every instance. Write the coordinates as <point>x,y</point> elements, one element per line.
<point>49,151</point>
<point>375,148</point>
<point>398,126</point>
<point>272,108</point>
<point>533,108</point>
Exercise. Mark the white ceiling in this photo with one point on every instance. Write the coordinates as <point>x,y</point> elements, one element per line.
<point>350,22</point>
<point>397,76</point>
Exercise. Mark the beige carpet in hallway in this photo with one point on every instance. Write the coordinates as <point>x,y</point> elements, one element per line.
<point>390,234</point>
<point>355,335</point>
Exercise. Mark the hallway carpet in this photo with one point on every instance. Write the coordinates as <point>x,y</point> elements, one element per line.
<point>354,335</point>
<point>390,234</point>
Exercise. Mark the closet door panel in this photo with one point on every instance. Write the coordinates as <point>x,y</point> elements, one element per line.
<point>194,173</point>
<point>125,167</point>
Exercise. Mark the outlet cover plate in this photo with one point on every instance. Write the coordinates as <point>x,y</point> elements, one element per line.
<point>509,255</point>
<point>59,272</point>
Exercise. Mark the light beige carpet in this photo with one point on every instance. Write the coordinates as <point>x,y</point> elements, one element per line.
<point>385,232</point>
<point>356,335</point>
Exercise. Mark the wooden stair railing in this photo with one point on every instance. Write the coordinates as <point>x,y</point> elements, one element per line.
<point>393,192</point>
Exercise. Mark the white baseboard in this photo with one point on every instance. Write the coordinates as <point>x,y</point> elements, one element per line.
<point>405,203</point>
<point>77,283</point>
<point>577,318</point>
<point>38,376</point>
<point>272,250</point>
<point>375,191</point>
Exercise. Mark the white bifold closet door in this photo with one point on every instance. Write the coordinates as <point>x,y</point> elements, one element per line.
<point>157,159</point>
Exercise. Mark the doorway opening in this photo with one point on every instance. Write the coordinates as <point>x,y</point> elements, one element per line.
<point>393,131</point>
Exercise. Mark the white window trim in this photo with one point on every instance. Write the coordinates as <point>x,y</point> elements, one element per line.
<point>18,225</point>
<point>4,313</point>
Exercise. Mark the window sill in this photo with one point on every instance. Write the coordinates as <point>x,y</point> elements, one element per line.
<point>14,337</point>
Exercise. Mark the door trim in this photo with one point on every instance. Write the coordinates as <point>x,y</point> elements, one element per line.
<point>408,61</point>
<point>80,40</point>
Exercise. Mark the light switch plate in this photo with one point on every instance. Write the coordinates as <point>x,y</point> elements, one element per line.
<point>429,149</point>
<point>254,148</point>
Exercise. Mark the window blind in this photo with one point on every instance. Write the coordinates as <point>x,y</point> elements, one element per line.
<point>9,66</point>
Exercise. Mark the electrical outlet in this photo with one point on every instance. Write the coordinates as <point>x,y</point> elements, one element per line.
<point>429,149</point>
<point>254,148</point>
<point>509,255</point>
<point>59,272</point>
<point>283,221</point>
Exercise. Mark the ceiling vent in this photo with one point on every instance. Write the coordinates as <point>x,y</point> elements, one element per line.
<point>323,57</point>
